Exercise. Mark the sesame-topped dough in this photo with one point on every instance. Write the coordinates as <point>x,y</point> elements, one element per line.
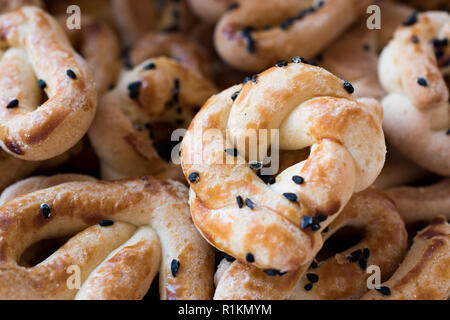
<point>279,223</point>
<point>36,48</point>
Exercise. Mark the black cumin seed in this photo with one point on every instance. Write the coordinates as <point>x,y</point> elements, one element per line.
<point>235,95</point>
<point>326,229</point>
<point>348,86</point>
<point>385,291</point>
<point>366,253</point>
<point>315,227</point>
<point>249,203</point>
<point>271,272</point>
<point>448,132</point>
<point>45,210</point>
<point>150,66</point>
<point>13,104</point>
<point>312,277</point>
<point>363,264</point>
<point>290,196</point>
<point>308,287</point>
<point>272,180</point>
<point>194,177</point>
<point>233,6</point>
<point>174,266</point>
<point>314,265</point>
<point>71,74</point>
<point>282,64</point>
<point>106,223</point>
<point>250,258</point>
<point>298,60</point>
<point>422,81</point>
<point>298,179</point>
<point>355,255</point>
<point>306,222</point>
<point>412,19</point>
<point>320,218</point>
<point>240,202</point>
<point>229,258</point>
<point>255,165</point>
<point>42,84</point>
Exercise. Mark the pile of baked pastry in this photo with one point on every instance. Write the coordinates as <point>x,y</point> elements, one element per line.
<point>114,194</point>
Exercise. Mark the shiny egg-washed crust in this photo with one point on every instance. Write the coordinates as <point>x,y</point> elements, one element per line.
<point>417,117</point>
<point>370,211</point>
<point>421,204</point>
<point>135,18</point>
<point>210,10</point>
<point>99,45</point>
<point>258,47</point>
<point>425,272</point>
<point>39,49</point>
<point>354,55</point>
<point>38,183</point>
<point>13,169</point>
<point>174,46</point>
<point>121,133</point>
<point>308,107</point>
<point>152,229</point>
<point>11,5</point>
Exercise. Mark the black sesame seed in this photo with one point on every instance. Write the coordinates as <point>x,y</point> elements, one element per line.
<point>312,277</point>
<point>240,202</point>
<point>315,227</point>
<point>232,152</point>
<point>298,60</point>
<point>233,6</point>
<point>422,81</point>
<point>308,287</point>
<point>194,177</point>
<point>229,258</point>
<point>306,222</point>
<point>71,74</point>
<point>320,218</point>
<point>45,210</point>
<point>250,258</point>
<point>106,223</point>
<point>235,95</point>
<point>271,180</point>
<point>150,66</point>
<point>255,165</point>
<point>412,19</point>
<point>271,272</point>
<point>314,265</point>
<point>385,291</point>
<point>366,253</point>
<point>174,266</point>
<point>290,196</point>
<point>363,264</point>
<point>415,39</point>
<point>348,86</point>
<point>13,104</point>
<point>42,84</point>
<point>282,64</point>
<point>298,179</point>
<point>249,203</point>
<point>354,256</point>
<point>326,230</point>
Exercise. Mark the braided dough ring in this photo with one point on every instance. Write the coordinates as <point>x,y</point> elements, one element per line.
<point>424,274</point>
<point>39,46</point>
<point>166,95</point>
<point>117,261</point>
<point>98,44</point>
<point>311,108</point>
<point>302,28</point>
<point>417,111</point>
<point>173,46</point>
<point>337,278</point>
<point>419,204</point>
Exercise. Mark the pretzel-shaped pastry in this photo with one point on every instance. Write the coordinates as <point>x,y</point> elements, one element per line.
<point>311,107</point>
<point>211,10</point>
<point>424,273</point>
<point>39,46</point>
<point>419,204</point>
<point>173,46</point>
<point>98,44</point>
<point>417,111</point>
<point>354,55</point>
<point>117,259</point>
<point>136,17</point>
<point>155,96</point>
<point>342,276</point>
<point>246,39</point>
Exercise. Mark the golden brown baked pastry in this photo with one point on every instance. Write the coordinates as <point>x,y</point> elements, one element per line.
<point>125,233</point>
